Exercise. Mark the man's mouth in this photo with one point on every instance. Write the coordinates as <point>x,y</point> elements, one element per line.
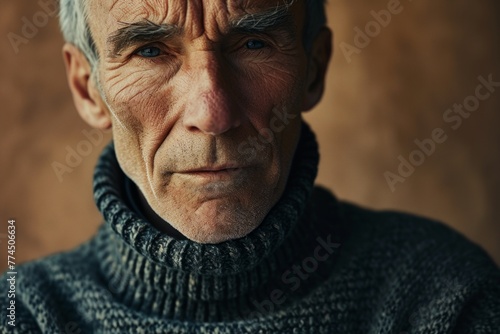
<point>223,172</point>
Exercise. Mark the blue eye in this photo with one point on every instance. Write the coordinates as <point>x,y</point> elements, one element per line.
<point>149,52</point>
<point>255,44</point>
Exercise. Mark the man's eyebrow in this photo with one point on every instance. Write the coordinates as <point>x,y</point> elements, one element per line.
<point>147,31</point>
<point>276,18</point>
<point>139,32</point>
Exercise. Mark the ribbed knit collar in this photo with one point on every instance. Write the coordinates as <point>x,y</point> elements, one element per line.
<point>154,272</point>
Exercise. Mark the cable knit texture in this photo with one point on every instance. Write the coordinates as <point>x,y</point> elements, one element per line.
<point>314,265</point>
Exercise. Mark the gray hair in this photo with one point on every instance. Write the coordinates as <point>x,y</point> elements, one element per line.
<point>73,19</point>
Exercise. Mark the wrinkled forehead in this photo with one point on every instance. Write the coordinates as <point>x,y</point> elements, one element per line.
<point>192,16</point>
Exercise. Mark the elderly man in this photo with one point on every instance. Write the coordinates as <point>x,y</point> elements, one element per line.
<point>212,221</point>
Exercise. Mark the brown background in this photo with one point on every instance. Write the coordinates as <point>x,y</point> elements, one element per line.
<point>395,91</point>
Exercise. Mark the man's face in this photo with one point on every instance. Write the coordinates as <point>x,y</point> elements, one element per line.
<point>190,86</point>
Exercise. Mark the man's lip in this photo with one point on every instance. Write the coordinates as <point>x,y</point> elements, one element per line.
<point>224,168</point>
<point>212,174</point>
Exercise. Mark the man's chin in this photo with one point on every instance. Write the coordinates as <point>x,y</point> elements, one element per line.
<point>216,235</point>
<point>206,226</point>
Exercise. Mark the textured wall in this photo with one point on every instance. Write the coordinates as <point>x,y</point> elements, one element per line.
<point>379,101</point>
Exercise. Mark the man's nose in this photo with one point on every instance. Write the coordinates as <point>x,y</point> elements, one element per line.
<point>212,105</point>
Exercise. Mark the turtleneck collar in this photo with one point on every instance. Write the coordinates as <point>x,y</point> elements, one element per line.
<point>181,279</point>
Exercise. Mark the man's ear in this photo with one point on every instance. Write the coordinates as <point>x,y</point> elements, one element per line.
<point>88,100</point>
<point>319,58</point>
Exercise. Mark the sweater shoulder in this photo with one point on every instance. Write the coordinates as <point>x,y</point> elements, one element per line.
<point>42,289</point>
<point>400,239</point>
<point>398,235</point>
<point>398,227</point>
<point>429,270</point>
<point>52,267</point>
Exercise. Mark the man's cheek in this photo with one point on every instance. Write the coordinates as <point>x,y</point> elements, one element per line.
<point>146,114</point>
<point>132,86</point>
<point>129,157</point>
<point>283,70</point>
<point>275,83</point>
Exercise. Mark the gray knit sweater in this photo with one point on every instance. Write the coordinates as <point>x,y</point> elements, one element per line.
<point>315,265</point>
